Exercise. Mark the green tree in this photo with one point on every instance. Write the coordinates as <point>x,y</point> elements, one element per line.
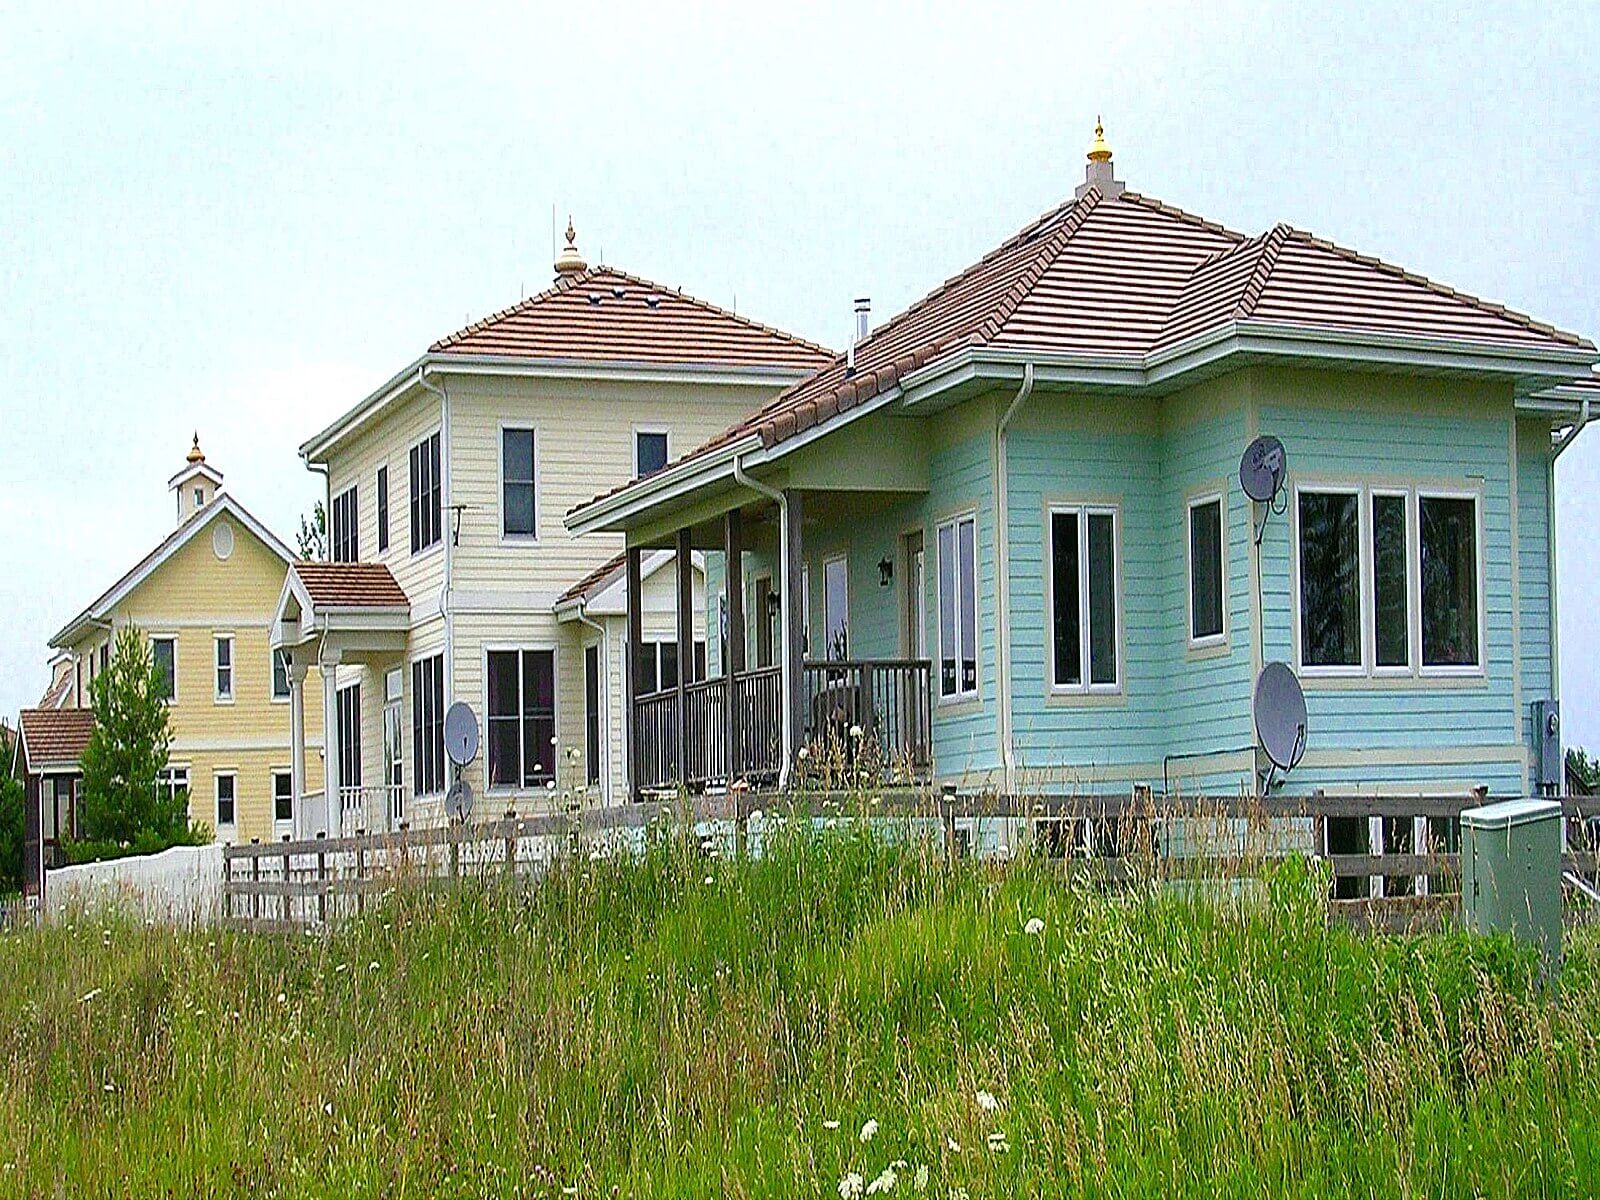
<point>313,535</point>
<point>127,750</point>
<point>11,806</point>
<point>1585,770</point>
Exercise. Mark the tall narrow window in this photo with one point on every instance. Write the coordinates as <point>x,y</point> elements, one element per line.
<point>1205,570</point>
<point>348,714</point>
<point>164,651</point>
<point>1330,579</point>
<point>1084,599</point>
<point>1449,546</point>
<point>282,796</point>
<point>344,539</point>
<point>591,714</point>
<point>280,674</point>
<point>426,495</point>
<point>427,725</point>
<point>522,718</point>
<point>958,608</point>
<point>224,645</point>
<point>649,451</point>
<point>227,788</point>
<point>383,508</point>
<point>518,515</point>
<point>1391,587</point>
<point>836,608</point>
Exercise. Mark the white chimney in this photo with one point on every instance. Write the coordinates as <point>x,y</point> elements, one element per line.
<point>863,309</point>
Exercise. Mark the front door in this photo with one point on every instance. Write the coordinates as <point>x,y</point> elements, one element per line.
<point>393,752</point>
<point>915,629</point>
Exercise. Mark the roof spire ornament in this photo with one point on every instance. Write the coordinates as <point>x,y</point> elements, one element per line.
<point>569,261</point>
<point>1098,150</point>
<point>195,454</point>
<point>1098,173</point>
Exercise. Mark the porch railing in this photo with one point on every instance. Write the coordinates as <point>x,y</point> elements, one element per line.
<point>858,711</point>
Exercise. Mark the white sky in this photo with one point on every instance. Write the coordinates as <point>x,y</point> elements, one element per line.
<point>242,224</point>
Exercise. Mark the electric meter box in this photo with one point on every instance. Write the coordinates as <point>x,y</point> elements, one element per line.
<point>1511,872</point>
<point>1548,765</point>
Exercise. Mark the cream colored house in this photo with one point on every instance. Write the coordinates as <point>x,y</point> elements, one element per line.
<point>205,599</point>
<point>452,576</point>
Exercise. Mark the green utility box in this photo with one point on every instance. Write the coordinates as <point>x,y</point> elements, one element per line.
<point>1511,872</point>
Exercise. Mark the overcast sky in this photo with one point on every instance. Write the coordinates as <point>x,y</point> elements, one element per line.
<point>242,225</point>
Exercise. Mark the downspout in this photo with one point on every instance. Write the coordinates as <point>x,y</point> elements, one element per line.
<point>1002,570</point>
<point>449,534</point>
<point>1556,452</point>
<point>604,693</point>
<point>784,615</point>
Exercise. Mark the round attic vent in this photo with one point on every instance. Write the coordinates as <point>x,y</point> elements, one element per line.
<point>222,540</point>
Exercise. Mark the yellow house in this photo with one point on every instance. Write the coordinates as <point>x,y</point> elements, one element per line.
<point>205,598</point>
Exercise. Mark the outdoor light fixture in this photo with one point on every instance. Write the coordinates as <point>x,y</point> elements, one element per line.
<point>772,604</point>
<point>885,572</point>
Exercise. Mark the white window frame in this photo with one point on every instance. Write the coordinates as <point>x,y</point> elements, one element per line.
<point>1429,492</point>
<point>843,558</point>
<point>661,430</point>
<point>1414,494</point>
<point>173,638</point>
<point>1200,500</point>
<point>167,779</point>
<point>275,774</point>
<point>1083,511</point>
<point>959,696</point>
<point>411,495</point>
<point>219,696</point>
<point>272,678</point>
<point>521,648</point>
<point>216,799</point>
<point>531,428</point>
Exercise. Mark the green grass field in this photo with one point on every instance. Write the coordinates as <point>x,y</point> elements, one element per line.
<point>679,1026</point>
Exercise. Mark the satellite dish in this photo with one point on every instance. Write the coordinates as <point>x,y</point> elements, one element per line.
<point>1280,712</point>
<point>1262,469</point>
<point>460,734</point>
<point>458,801</point>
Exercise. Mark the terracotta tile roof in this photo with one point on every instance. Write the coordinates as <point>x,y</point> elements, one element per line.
<point>350,585</point>
<point>606,315</point>
<point>595,581</point>
<point>56,694</point>
<point>1118,277</point>
<point>55,736</point>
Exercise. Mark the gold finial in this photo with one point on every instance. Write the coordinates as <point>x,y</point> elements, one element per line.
<point>1099,151</point>
<point>569,261</point>
<point>195,455</point>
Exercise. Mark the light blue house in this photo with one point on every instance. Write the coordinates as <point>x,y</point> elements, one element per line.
<point>1005,539</point>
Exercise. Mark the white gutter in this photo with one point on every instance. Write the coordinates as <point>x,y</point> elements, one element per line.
<point>1571,435</point>
<point>604,693</point>
<point>446,516</point>
<point>1002,519</point>
<point>785,617</point>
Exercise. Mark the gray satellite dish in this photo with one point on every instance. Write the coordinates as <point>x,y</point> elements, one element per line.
<point>1262,469</point>
<point>460,734</point>
<point>458,801</point>
<point>1280,712</point>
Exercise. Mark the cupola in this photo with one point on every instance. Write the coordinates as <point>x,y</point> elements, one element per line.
<point>197,484</point>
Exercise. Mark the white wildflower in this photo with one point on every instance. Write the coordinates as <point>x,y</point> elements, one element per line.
<point>998,1143</point>
<point>805,751</point>
<point>373,965</point>
<point>830,1125</point>
<point>88,996</point>
<point>986,1101</point>
<point>850,1186</point>
<point>109,1086</point>
<point>920,1179</point>
<point>327,1108</point>
<point>282,999</point>
<point>341,968</point>
<point>1034,927</point>
<point>883,1183</point>
<point>856,732</point>
<point>869,1130</point>
<point>709,880</point>
<point>959,1193</point>
<point>952,1145</point>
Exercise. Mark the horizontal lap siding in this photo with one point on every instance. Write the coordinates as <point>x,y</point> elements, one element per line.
<point>1377,429</point>
<point>1535,601</point>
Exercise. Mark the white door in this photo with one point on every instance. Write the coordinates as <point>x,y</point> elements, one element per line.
<point>393,751</point>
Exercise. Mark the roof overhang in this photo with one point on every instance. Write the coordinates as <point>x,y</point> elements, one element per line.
<point>611,600</point>
<point>201,469</point>
<point>1538,375</point>
<point>401,385</point>
<point>97,615</point>
<point>298,620</point>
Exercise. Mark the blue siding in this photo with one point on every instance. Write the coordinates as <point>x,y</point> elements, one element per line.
<point>1533,568</point>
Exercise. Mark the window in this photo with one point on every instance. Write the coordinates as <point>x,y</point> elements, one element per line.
<point>958,608</point>
<point>105,658</point>
<point>591,714</point>
<point>1330,579</point>
<point>282,796</point>
<point>383,508</point>
<point>427,725</point>
<point>658,665</point>
<point>164,651</point>
<point>1084,599</point>
<point>347,712</point>
<point>836,607</point>
<point>199,498</point>
<point>1449,573</point>
<point>172,781</point>
<point>280,674</point>
<point>1206,587</point>
<point>224,644</point>
<point>518,509</point>
<point>343,542</point>
<point>522,718</point>
<point>1388,581</point>
<point>426,515</point>
<point>227,784</point>
<point>649,451</point>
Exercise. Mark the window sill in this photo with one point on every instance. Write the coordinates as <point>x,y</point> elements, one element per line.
<point>1096,697</point>
<point>957,705</point>
<point>519,539</point>
<point>222,700</point>
<point>1393,682</point>
<point>1213,647</point>
<point>424,551</point>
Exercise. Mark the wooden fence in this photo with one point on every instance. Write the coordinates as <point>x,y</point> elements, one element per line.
<point>1394,859</point>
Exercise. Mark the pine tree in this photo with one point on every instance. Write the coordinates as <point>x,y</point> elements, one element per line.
<point>121,803</point>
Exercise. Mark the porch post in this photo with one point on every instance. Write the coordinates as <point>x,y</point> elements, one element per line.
<point>684,563</point>
<point>794,633</point>
<point>297,730</point>
<point>733,651</point>
<point>330,744</point>
<point>630,669</point>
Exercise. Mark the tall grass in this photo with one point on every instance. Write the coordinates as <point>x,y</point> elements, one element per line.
<point>674,1025</point>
